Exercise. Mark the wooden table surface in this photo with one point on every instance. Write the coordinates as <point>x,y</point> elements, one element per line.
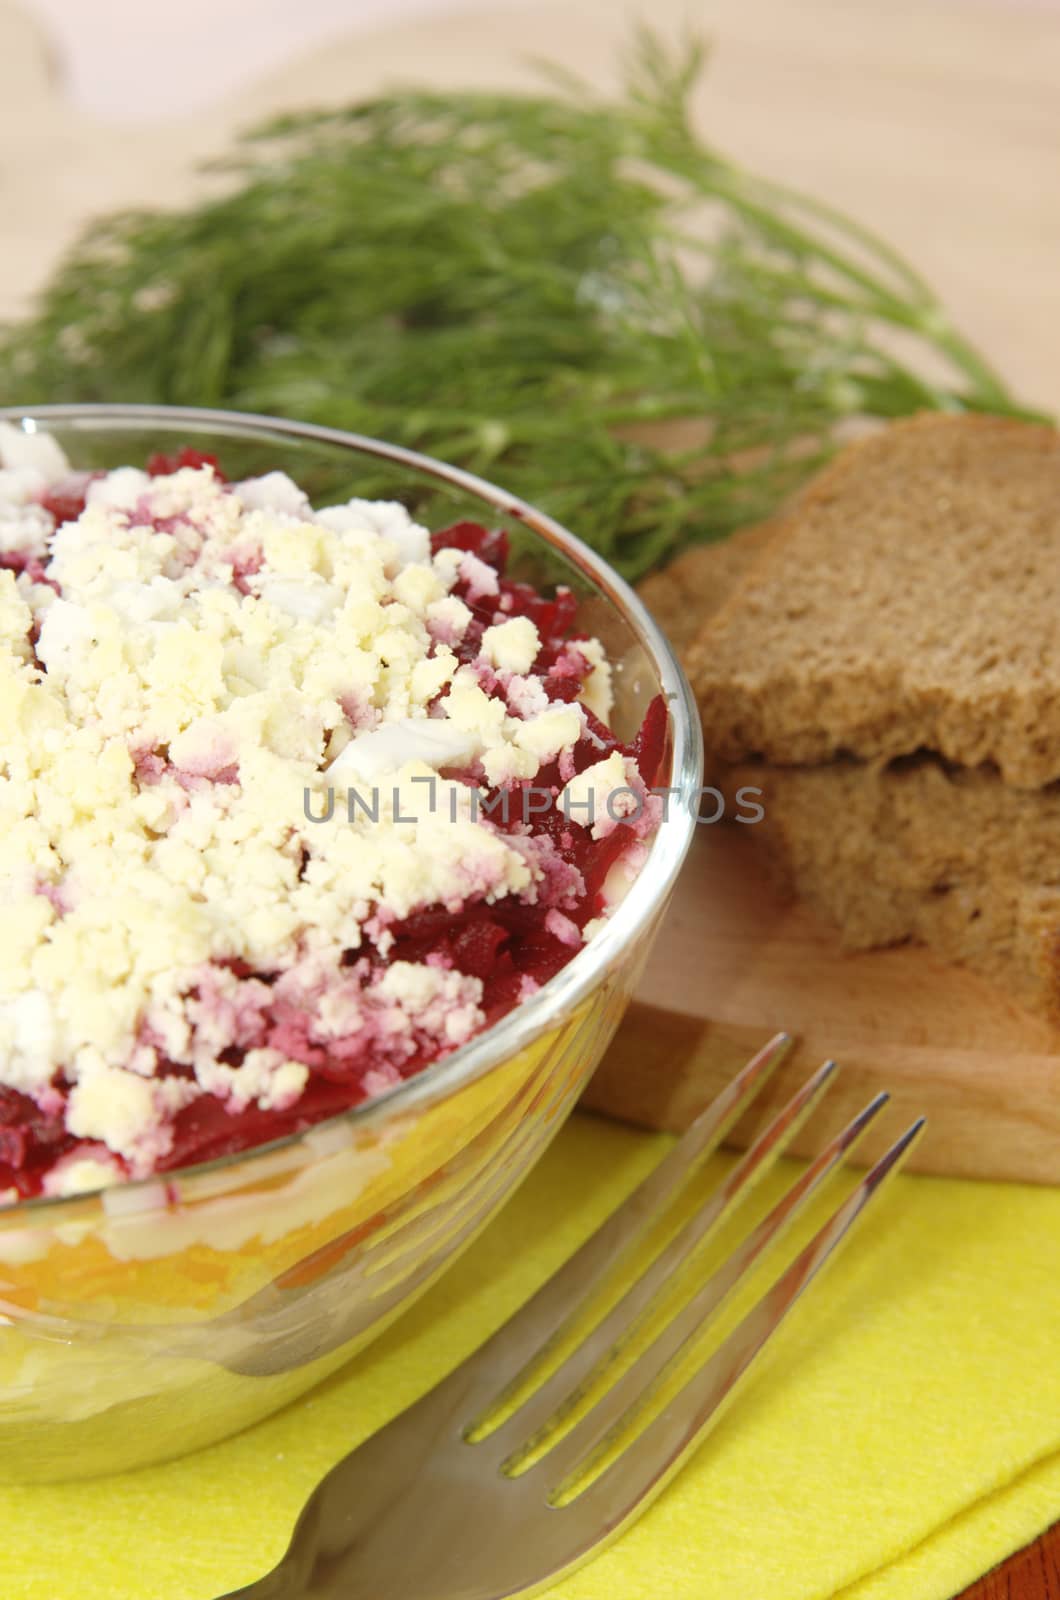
<point>1032,1574</point>
<point>935,121</point>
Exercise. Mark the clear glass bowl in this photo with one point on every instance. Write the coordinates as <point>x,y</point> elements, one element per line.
<point>153,1318</point>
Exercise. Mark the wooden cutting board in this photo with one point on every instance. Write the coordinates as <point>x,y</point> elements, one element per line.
<point>732,965</point>
<point>937,124</point>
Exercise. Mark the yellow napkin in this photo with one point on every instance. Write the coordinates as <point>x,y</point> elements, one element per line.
<point>903,1437</point>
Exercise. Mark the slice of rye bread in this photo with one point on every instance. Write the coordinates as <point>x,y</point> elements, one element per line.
<point>909,600</point>
<point>912,849</point>
<point>915,849</point>
<point>682,596</point>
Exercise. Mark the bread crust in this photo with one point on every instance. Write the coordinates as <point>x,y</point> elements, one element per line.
<point>684,595</point>
<point>917,850</point>
<point>892,847</point>
<point>910,599</point>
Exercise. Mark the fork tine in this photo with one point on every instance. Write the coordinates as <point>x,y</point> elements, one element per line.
<point>525,1333</point>
<point>564,1383</point>
<point>690,1321</point>
<point>633,1479</point>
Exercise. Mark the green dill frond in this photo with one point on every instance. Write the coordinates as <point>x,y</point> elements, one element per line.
<point>579,299</point>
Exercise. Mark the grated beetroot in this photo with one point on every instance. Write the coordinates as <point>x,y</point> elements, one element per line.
<point>160,465</point>
<point>64,505</point>
<point>31,1142</point>
<point>511,946</point>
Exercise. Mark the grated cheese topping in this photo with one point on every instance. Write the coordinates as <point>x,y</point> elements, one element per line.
<point>187,669</point>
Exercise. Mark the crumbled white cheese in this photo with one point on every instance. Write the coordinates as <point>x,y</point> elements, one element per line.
<point>526,696</point>
<point>34,449</point>
<point>437,741</point>
<point>23,527</point>
<point>275,491</point>
<point>511,646</point>
<point>449,617</point>
<point>546,735</point>
<point>597,690</point>
<point>78,1173</point>
<point>127,1113</point>
<point>480,578</point>
<point>506,763</point>
<point>603,795</point>
<point>468,706</point>
<point>225,747</point>
<point>384,519</point>
<point>430,995</point>
<point>419,587</point>
<point>264,1077</point>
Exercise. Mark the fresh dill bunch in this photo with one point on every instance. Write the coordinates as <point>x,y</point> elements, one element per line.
<point>577,298</point>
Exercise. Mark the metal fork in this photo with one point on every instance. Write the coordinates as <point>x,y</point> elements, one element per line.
<point>441,1503</point>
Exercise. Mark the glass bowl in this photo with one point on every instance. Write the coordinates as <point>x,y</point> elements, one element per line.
<point>162,1315</point>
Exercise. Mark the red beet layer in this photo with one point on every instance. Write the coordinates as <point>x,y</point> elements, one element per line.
<point>508,945</point>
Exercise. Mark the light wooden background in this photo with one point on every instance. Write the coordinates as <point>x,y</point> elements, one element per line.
<point>937,121</point>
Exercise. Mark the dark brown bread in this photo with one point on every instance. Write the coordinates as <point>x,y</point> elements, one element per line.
<point>691,589</point>
<point>909,600</point>
<point>915,850</point>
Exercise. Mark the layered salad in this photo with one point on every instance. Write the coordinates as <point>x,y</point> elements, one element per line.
<point>294,801</point>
